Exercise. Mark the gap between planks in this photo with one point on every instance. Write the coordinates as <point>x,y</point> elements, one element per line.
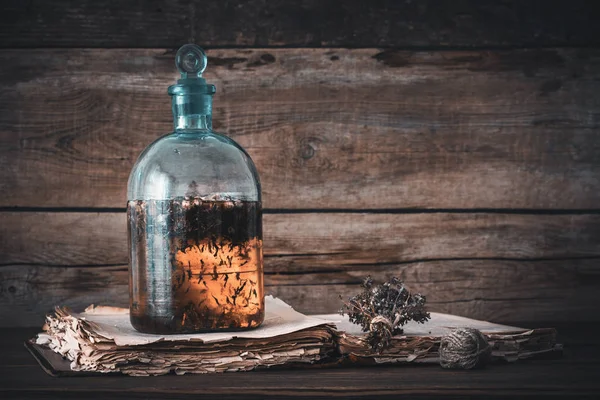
<point>514,211</point>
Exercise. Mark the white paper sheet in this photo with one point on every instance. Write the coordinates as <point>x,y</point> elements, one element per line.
<point>280,319</point>
<point>438,325</point>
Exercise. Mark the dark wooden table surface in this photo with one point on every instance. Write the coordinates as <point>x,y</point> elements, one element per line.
<point>575,375</point>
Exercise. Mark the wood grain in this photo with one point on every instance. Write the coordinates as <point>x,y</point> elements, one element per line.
<point>498,290</point>
<point>504,291</point>
<point>320,239</point>
<point>503,267</point>
<point>310,23</point>
<point>351,138</point>
<point>327,128</point>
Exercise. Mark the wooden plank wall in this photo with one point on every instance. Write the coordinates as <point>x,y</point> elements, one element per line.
<point>455,146</point>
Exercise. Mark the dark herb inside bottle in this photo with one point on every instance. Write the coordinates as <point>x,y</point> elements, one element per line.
<point>197,265</point>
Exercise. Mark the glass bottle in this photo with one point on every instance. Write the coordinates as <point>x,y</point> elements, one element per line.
<point>195,221</point>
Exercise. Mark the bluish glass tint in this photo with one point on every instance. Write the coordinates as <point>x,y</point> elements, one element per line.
<point>194,215</point>
<point>193,157</point>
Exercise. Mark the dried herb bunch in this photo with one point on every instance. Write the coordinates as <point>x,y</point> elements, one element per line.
<point>383,309</point>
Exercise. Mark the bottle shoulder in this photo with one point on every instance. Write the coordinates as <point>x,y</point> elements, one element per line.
<point>204,147</point>
<point>183,159</point>
<point>198,139</point>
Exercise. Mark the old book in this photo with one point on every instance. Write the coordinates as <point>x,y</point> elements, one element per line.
<point>420,342</point>
<point>101,339</point>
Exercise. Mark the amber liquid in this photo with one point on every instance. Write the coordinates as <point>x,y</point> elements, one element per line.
<point>195,266</point>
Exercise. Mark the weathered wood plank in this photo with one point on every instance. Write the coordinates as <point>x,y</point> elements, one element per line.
<point>312,23</point>
<point>28,293</point>
<point>319,239</point>
<point>489,266</point>
<point>332,129</point>
<point>504,291</point>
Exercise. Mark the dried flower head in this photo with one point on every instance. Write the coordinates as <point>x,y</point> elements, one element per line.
<point>382,310</point>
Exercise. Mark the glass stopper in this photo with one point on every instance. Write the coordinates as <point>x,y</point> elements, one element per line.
<point>191,61</point>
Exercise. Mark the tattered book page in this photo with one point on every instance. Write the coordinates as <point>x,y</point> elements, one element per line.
<point>101,339</point>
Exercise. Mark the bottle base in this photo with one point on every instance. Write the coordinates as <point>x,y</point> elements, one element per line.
<point>173,325</point>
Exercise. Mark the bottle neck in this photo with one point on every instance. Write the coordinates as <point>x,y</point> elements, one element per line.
<point>192,112</point>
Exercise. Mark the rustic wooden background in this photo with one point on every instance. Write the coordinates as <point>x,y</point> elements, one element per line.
<point>453,144</point>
